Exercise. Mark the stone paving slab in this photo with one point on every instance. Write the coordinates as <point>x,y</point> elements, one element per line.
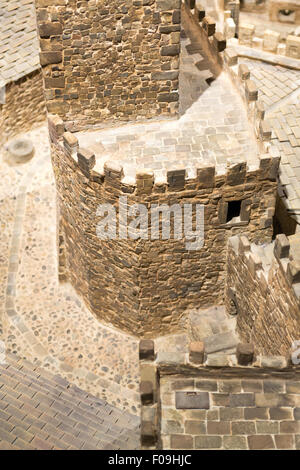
<point>279,89</point>
<point>41,411</point>
<point>44,321</point>
<point>212,127</point>
<point>286,122</point>
<point>274,82</point>
<point>19,50</point>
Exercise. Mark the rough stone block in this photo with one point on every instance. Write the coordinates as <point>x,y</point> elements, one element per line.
<point>265,131</point>
<point>181,441</point>
<point>219,42</point>
<point>246,33</point>
<point>217,360</point>
<point>230,28</point>
<point>271,40</point>
<point>284,441</point>
<point>251,90</point>
<point>293,272</point>
<point>254,264</point>
<point>244,353</point>
<point>282,246</point>
<point>273,362</point>
<point>148,434</point>
<point>260,442</point>
<point>54,82</point>
<point>147,393</point>
<point>208,442</point>
<point>199,11</point>
<point>56,125</point>
<point>168,5</point>
<point>245,210</point>
<point>259,110</point>
<point>176,178</point>
<point>51,28</point>
<point>192,400</point>
<point>172,50</point>
<point>236,173</point>
<point>146,350</point>
<point>244,72</point>
<point>113,170</point>
<point>235,443</point>
<point>206,177</point>
<point>293,46</point>
<point>145,181</point>
<point>241,400</point>
<point>190,4</point>
<point>231,57</point>
<point>165,75</point>
<point>54,57</point>
<point>86,159</point>
<point>209,25</point>
<point>70,141</point>
<point>222,212</point>
<point>196,353</point>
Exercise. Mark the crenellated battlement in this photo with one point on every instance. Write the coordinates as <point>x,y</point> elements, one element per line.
<point>190,399</point>
<point>241,78</point>
<point>212,40</point>
<point>206,176</point>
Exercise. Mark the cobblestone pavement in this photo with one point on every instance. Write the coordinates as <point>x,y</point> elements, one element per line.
<point>285,122</point>
<point>213,126</point>
<point>274,82</point>
<point>43,321</point>
<point>42,411</point>
<point>19,50</point>
<point>279,89</point>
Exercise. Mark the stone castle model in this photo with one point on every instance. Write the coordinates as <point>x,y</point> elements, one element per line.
<point>158,103</point>
<point>122,63</point>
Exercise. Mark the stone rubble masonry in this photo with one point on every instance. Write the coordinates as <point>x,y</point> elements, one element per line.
<point>24,106</point>
<point>267,293</point>
<point>145,287</point>
<point>223,406</point>
<point>111,60</point>
<point>293,46</point>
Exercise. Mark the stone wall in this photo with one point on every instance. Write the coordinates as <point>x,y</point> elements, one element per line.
<point>265,292</point>
<point>145,286</point>
<point>24,106</point>
<point>110,60</point>
<point>258,6</point>
<point>218,402</point>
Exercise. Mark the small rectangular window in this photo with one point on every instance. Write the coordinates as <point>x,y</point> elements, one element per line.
<point>234,210</point>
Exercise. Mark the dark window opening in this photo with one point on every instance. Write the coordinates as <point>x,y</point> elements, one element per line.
<point>287,16</point>
<point>283,221</point>
<point>234,210</point>
<point>286,12</point>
